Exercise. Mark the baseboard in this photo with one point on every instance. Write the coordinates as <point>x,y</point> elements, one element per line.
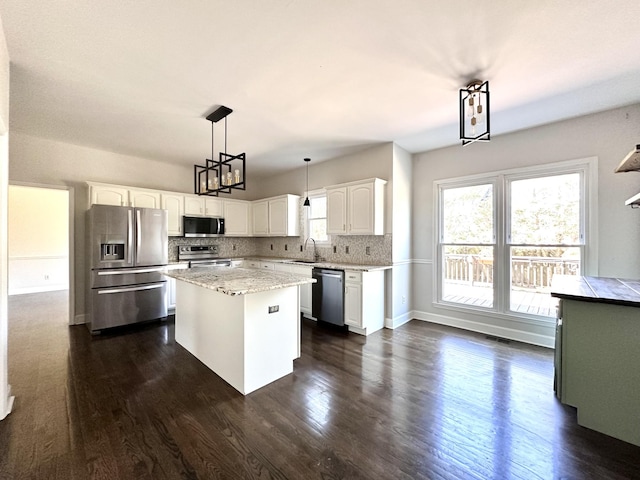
<point>479,327</point>
<point>81,319</point>
<point>395,322</point>
<point>48,288</point>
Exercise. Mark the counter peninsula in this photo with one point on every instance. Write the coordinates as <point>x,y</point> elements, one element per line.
<point>243,324</point>
<point>598,352</point>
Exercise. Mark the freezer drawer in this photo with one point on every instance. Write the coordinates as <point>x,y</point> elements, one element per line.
<point>116,306</point>
<point>120,277</point>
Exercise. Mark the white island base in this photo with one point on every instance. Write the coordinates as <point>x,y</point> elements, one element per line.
<point>236,336</point>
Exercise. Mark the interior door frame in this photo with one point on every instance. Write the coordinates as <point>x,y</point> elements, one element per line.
<point>70,215</point>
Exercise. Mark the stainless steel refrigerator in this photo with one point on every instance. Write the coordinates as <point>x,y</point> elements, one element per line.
<point>128,251</point>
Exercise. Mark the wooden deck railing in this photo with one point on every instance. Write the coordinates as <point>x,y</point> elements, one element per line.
<point>526,272</point>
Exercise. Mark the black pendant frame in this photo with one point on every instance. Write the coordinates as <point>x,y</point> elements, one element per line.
<point>223,169</point>
<point>481,89</point>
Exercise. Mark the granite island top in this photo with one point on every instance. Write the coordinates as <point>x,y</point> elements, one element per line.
<point>597,289</point>
<point>238,281</point>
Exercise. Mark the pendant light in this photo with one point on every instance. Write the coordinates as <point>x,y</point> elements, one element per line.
<point>307,203</point>
<point>474,113</point>
<point>224,174</point>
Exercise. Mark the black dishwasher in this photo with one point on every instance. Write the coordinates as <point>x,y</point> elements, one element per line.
<point>327,296</point>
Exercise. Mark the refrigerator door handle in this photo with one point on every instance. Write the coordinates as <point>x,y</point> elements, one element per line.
<point>130,289</point>
<point>138,233</point>
<point>130,237</point>
<point>129,270</point>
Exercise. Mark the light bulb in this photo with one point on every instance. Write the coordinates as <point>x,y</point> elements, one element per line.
<point>237,176</point>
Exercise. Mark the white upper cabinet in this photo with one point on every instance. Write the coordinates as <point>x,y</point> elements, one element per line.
<point>109,195</point>
<point>277,216</point>
<point>284,216</point>
<point>174,204</point>
<point>213,207</point>
<point>260,217</point>
<point>237,217</point>
<point>198,206</point>
<point>193,205</point>
<point>356,208</point>
<point>337,210</point>
<point>144,198</point>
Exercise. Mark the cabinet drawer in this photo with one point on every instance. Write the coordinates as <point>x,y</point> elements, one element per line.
<point>353,277</point>
<point>251,264</point>
<point>267,266</point>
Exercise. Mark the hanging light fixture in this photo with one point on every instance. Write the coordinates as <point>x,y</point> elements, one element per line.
<point>474,113</point>
<point>307,203</point>
<point>224,174</point>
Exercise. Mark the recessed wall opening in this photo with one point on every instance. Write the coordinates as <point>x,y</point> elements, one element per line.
<point>39,246</point>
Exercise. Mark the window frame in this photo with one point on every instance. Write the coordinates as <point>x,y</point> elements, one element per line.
<point>502,181</point>
<point>320,193</point>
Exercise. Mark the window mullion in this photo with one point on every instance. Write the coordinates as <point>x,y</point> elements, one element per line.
<point>502,275</point>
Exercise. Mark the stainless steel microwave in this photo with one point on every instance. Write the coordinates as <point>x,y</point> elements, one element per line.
<point>202,226</point>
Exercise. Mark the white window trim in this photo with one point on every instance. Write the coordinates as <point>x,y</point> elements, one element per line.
<point>311,194</point>
<point>500,179</point>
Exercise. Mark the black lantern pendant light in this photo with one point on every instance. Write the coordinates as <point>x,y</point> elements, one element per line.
<point>474,113</point>
<point>224,174</point>
<point>307,203</point>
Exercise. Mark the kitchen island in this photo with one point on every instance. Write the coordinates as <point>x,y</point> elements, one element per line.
<point>598,352</point>
<point>242,323</point>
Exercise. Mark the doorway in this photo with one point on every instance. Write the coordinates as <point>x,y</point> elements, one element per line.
<point>39,244</point>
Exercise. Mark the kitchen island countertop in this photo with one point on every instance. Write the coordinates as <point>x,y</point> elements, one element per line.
<point>614,291</point>
<point>238,281</point>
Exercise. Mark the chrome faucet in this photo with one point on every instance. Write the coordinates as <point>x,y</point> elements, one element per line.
<point>315,254</point>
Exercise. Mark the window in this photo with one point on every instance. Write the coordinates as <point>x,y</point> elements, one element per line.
<point>502,237</point>
<point>316,216</point>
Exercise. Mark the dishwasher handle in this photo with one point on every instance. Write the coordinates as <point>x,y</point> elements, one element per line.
<point>329,275</point>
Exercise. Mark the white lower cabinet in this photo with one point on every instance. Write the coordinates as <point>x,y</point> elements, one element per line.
<point>305,290</point>
<point>364,301</point>
<point>171,295</point>
<point>251,264</point>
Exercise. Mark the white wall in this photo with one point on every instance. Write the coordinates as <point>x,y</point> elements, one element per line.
<point>609,136</point>
<point>47,162</point>
<point>38,239</point>
<point>6,400</point>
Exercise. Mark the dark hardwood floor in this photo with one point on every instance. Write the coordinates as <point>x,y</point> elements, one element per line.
<point>422,401</point>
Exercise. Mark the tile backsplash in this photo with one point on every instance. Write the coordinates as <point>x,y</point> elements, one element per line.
<point>357,249</point>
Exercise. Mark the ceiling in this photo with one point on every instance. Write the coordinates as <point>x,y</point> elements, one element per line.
<point>308,78</point>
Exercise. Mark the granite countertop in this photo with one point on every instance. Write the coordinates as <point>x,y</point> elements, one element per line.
<point>238,281</point>
<point>597,289</point>
<point>323,264</point>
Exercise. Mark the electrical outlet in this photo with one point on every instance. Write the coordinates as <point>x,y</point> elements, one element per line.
<point>335,249</point>
<point>234,247</point>
<point>46,277</point>
<point>272,246</point>
<point>404,299</point>
<point>274,308</point>
<point>300,247</point>
<point>286,247</point>
<point>346,249</point>
<point>367,250</point>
